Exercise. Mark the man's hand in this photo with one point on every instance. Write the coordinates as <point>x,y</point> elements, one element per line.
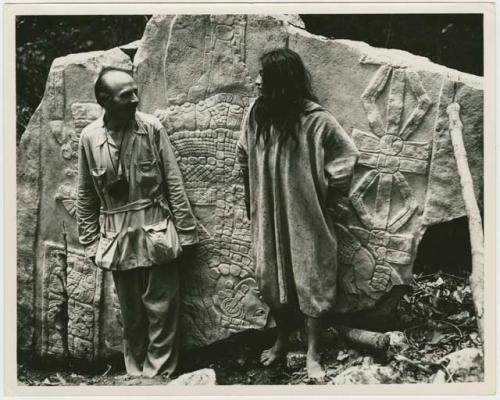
<point>187,239</point>
<point>91,251</point>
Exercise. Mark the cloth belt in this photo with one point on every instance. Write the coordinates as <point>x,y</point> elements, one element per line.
<point>139,205</point>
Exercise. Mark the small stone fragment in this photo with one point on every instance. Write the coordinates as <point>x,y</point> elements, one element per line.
<point>465,365</point>
<point>202,377</point>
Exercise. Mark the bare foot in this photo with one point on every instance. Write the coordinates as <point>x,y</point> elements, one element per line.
<point>314,368</point>
<point>270,356</point>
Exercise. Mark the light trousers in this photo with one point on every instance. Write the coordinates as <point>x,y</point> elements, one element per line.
<point>149,302</point>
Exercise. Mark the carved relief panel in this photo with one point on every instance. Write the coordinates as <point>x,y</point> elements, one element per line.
<point>376,250</point>
<point>220,294</point>
<point>70,304</point>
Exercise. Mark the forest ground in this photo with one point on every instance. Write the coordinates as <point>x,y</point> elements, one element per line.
<point>436,318</point>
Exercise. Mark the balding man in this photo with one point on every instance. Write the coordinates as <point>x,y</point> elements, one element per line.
<point>133,219</point>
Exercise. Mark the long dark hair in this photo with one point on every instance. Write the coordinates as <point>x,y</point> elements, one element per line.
<point>286,84</point>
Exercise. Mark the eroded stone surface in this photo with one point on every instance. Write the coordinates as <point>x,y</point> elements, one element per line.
<point>392,104</point>
<point>59,292</point>
<point>208,89</point>
<point>28,200</point>
<point>388,100</point>
<point>466,365</point>
<point>196,74</point>
<point>71,306</point>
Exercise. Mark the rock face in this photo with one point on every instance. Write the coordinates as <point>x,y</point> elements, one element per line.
<point>196,74</point>
<point>62,298</point>
<point>466,365</point>
<point>391,102</point>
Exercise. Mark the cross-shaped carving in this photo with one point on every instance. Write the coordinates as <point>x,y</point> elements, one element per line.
<point>387,151</point>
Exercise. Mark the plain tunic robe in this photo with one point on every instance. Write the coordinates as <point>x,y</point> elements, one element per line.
<point>288,184</point>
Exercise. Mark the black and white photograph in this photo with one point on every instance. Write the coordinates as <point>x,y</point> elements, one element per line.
<point>252,199</point>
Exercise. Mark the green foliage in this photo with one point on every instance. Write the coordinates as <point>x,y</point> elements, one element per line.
<point>41,39</point>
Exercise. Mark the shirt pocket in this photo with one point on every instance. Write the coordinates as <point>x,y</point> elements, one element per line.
<point>147,172</point>
<point>106,251</point>
<point>161,242</point>
<point>99,175</point>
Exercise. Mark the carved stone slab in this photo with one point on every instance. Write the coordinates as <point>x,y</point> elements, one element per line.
<point>60,296</point>
<point>72,289</point>
<point>390,101</point>
<point>394,106</point>
<point>196,74</point>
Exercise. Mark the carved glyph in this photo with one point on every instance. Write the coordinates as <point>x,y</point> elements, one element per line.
<point>204,136</point>
<point>220,296</point>
<point>71,304</point>
<point>374,251</point>
<point>82,115</point>
<point>223,57</point>
<point>196,73</point>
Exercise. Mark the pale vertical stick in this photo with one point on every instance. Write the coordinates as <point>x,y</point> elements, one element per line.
<point>472,210</point>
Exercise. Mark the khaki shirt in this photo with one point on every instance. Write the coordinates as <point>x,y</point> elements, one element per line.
<point>116,230</point>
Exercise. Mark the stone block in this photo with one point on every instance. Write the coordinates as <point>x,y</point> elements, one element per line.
<point>392,103</point>
<point>465,365</point>
<point>200,84</point>
<point>59,293</point>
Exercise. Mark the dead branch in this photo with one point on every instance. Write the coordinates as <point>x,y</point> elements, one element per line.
<point>472,210</point>
<point>374,341</point>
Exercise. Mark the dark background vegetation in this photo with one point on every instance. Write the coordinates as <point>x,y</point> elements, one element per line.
<point>41,39</point>
<point>454,40</point>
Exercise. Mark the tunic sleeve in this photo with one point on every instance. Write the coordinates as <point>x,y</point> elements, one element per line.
<point>341,156</point>
<point>185,221</point>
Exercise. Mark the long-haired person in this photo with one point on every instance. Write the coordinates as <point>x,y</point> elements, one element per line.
<point>293,155</point>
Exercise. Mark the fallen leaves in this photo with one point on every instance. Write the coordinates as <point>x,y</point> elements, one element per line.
<point>437,323</point>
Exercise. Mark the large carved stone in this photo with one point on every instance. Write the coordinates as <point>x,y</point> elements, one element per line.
<point>391,102</point>
<point>196,74</point>
<point>71,304</point>
<point>394,106</point>
<point>206,93</point>
<point>60,300</point>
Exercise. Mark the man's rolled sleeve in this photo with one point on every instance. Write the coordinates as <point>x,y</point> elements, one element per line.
<point>185,222</point>
<point>87,206</point>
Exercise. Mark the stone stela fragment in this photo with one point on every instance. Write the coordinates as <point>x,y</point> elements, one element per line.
<point>196,73</point>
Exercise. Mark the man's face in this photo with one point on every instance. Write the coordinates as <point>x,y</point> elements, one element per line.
<point>122,89</point>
